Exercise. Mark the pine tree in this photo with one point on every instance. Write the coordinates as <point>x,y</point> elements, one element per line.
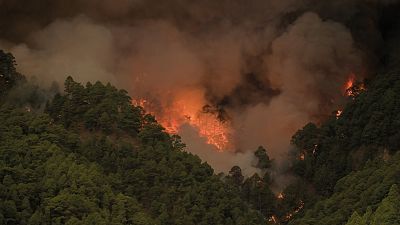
<point>388,212</point>
<point>356,219</point>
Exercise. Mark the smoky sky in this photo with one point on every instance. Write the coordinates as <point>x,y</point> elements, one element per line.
<point>267,66</point>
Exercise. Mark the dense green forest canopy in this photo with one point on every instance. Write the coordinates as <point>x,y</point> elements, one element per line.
<point>367,128</point>
<point>359,192</point>
<point>351,160</point>
<point>86,155</point>
<point>93,158</point>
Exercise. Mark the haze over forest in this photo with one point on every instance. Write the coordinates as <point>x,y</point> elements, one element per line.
<point>199,112</point>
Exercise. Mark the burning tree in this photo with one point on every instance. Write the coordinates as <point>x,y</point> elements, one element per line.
<point>190,111</point>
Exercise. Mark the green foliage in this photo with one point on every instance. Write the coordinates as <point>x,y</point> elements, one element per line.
<point>264,162</point>
<point>256,191</point>
<point>96,107</point>
<point>356,219</point>
<point>360,191</point>
<point>93,158</point>
<point>387,213</point>
<point>367,128</point>
<point>8,74</point>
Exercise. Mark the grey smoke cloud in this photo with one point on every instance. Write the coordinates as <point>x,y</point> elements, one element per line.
<point>272,66</point>
<point>309,64</point>
<point>76,47</point>
<point>312,61</point>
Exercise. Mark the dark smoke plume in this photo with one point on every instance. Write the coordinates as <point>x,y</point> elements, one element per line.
<point>267,66</point>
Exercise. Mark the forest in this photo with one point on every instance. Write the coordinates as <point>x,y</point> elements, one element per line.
<point>83,154</point>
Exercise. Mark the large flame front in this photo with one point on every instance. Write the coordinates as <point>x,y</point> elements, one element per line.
<point>186,107</point>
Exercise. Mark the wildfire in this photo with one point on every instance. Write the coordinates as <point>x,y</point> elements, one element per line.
<point>339,113</point>
<point>187,108</point>
<point>353,88</point>
<point>139,102</point>
<point>289,216</point>
<point>273,219</point>
<point>348,87</point>
<point>302,156</point>
<point>350,82</point>
<point>281,196</point>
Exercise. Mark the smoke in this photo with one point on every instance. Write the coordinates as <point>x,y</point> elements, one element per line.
<point>268,67</point>
<point>159,58</point>
<point>74,47</point>
<point>311,61</point>
<point>220,161</point>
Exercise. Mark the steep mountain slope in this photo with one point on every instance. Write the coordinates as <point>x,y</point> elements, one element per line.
<point>356,192</point>
<point>93,158</point>
<point>351,160</point>
<point>367,128</point>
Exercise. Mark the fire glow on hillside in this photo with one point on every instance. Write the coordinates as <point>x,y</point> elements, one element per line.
<point>349,83</point>
<point>187,109</point>
<point>351,89</point>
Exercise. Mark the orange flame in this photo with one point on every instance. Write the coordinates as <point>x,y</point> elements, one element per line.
<point>339,113</point>
<point>281,196</point>
<point>349,84</point>
<point>273,219</point>
<point>139,102</point>
<point>302,156</point>
<point>187,109</point>
<point>289,216</point>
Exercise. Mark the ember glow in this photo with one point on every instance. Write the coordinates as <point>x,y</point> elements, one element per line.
<point>289,216</point>
<point>350,81</point>
<point>188,108</point>
<point>302,156</point>
<point>349,84</point>
<point>348,88</point>
<point>280,196</point>
<point>273,219</point>
<point>351,89</point>
<point>339,113</point>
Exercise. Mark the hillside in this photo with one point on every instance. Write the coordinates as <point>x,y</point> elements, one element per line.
<point>367,128</point>
<point>359,192</point>
<point>93,158</point>
<point>86,155</point>
<point>351,160</point>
